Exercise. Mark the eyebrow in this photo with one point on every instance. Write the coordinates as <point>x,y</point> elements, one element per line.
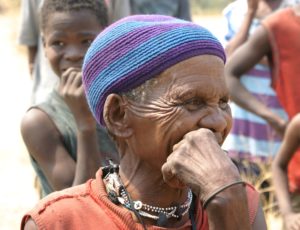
<point>88,33</point>
<point>81,33</point>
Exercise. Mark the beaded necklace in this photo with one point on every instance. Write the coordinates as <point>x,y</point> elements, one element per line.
<point>118,195</point>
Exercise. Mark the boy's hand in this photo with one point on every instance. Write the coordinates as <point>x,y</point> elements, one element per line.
<point>71,89</point>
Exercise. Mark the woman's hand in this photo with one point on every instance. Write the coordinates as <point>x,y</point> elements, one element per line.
<point>292,221</point>
<point>71,89</point>
<point>199,163</point>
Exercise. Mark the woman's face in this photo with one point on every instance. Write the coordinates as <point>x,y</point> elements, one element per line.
<point>188,96</point>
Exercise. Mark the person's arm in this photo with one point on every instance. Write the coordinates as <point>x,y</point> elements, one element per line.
<point>32,51</point>
<point>249,54</point>
<point>199,163</point>
<point>44,143</point>
<point>242,35</point>
<point>222,209</point>
<point>184,11</point>
<point>29,31</point>
<point>88,152</point>
<point>289,145</point>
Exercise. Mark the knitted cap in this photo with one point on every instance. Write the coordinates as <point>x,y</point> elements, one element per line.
<point>138,48</point>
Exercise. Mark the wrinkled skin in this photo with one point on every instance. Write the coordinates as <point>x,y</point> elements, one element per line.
<point>172,140</point>
<point>182,101</point>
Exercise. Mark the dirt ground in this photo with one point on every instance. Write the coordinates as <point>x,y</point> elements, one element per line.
<point>17,194</point>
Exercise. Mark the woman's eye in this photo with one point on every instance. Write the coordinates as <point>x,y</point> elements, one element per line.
<point>223,104</point>
<point>193,104</point>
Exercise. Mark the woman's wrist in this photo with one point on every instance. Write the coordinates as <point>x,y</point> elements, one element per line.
<point>220,190</point>
<point>226,197</point>
<point>229,209</point>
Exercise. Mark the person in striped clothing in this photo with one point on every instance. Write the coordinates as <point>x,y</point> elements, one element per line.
<point>252,140</point>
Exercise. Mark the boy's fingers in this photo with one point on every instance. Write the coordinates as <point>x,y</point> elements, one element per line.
<point>78,80</point>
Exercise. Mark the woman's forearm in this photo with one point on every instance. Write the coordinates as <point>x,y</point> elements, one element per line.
<point>228,210</point>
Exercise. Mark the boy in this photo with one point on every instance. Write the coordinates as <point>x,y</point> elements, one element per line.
<point>65,145</point>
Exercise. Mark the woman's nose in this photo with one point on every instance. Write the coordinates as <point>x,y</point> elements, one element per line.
<point>215,120</point>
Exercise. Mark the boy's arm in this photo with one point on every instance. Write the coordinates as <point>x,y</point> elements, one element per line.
<point>249,54</point>
<point>89,157</point>
<point>289,146</point>
<point>45,143</point>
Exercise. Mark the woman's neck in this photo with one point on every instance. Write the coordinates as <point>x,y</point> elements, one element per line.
<point>146,184</point>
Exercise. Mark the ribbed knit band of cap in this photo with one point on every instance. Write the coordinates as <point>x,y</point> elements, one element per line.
<point>137,48</point>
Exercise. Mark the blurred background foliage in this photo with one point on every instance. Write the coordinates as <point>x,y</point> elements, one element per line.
<point>208,6</point>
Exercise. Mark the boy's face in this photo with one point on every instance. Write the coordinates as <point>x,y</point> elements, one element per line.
<point>67,36</point>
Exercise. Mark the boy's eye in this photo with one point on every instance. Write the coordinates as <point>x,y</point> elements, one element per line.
<point>223,104</point>
<point>58,43</point>
<point>87,41</point>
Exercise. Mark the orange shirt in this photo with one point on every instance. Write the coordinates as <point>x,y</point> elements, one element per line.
<point>284,33</point>
<point>88,207</point>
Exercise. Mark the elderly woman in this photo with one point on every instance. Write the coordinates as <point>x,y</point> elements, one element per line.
<point>157,84</point>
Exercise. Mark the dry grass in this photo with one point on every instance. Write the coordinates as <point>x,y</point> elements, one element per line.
<point>263,183</point>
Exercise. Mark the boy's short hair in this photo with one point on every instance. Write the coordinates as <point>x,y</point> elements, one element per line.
<point>98,7</point>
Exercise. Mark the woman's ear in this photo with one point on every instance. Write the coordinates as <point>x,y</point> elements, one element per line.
<point>116,117</point>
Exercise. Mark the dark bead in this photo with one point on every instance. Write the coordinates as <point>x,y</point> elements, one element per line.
<point>113,197</point>
<point>162,220</point>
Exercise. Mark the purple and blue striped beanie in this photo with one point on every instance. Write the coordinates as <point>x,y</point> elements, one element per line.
<point>137,48</point>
